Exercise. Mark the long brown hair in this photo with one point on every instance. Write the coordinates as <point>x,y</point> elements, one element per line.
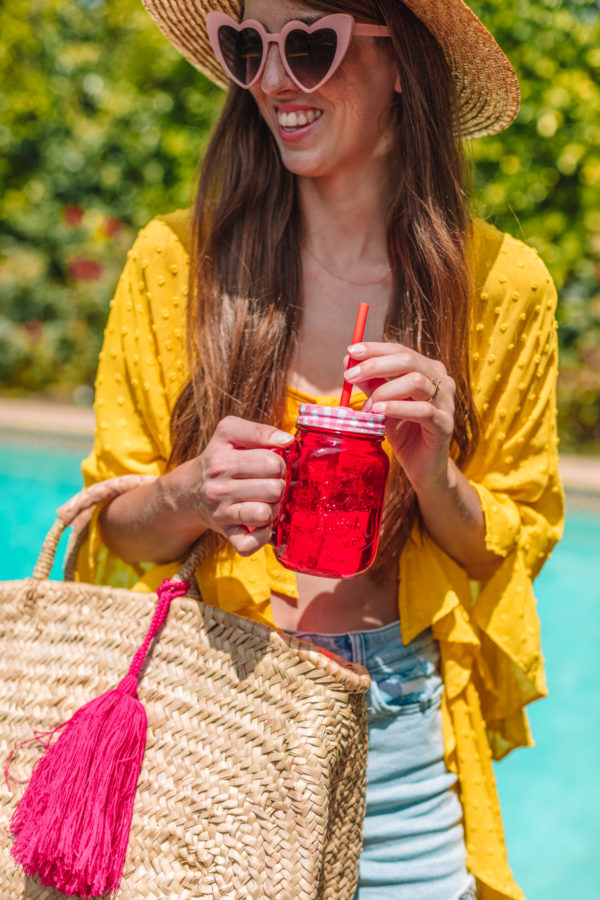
<point>245,308</point>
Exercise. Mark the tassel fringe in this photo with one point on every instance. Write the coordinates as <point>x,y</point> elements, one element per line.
<point>72,824</point>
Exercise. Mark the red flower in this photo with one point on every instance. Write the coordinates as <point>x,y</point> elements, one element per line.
<point>72,215</point>
<point>82,269</point>
<point>33,330</point>
<point>112,226</point>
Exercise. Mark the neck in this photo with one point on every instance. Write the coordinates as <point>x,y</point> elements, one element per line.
<point>344,220</point>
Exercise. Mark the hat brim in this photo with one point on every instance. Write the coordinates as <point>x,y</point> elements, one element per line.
<point>488,89</point>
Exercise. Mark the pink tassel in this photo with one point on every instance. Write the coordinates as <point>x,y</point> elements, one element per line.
<point>72,824</point>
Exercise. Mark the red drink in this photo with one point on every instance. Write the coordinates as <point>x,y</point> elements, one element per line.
<point>333,499</point>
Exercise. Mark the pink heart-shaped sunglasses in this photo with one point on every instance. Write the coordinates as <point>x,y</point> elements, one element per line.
<point>310,53</point>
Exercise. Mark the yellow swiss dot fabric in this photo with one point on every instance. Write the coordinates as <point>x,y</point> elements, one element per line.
<point>488,633</point>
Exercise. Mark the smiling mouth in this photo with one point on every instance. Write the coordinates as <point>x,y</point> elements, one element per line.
<point>292,121</point>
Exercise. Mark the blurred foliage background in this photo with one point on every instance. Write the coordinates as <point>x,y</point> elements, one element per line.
<point>102,125</point>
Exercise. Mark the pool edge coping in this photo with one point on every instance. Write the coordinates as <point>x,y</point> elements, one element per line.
<point>37,421</point>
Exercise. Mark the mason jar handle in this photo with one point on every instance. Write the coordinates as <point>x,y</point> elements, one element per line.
<point>284,453</point>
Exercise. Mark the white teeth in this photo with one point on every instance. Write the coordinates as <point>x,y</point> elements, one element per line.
<point>298,120</point>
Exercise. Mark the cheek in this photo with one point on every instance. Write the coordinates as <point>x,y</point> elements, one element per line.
<point>263,109</point>
<point>348,82</point>
<point>364,83</point>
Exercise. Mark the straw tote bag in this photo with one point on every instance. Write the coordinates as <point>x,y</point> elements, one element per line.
<point>252,783</point>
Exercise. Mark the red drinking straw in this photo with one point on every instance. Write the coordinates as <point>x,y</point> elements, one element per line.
<point>359,330</point>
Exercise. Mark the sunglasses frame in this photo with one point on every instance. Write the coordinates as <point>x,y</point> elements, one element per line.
<point>343,24</point>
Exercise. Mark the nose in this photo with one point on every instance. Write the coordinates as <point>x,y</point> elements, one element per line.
<point>275,79</point>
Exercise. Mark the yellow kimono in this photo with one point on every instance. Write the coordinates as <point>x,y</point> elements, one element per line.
<point>488,633</point>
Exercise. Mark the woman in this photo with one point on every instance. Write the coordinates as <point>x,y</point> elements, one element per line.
<point>335,176</point>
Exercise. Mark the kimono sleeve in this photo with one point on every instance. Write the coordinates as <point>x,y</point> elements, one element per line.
<point>137,382</point>
<point>515,473</point>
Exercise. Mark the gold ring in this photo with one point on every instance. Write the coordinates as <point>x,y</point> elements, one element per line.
<point>436,386</point>
<point>239,512</point>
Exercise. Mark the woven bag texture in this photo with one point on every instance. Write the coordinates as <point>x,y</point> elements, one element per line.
<point>253,780</point>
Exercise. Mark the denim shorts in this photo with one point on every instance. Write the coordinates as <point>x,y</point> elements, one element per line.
<point>413,846</point>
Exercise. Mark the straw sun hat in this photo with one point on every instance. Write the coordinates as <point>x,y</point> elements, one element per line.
<point>488,89</point>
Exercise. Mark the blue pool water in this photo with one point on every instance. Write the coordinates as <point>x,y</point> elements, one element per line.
<point>550,795</point>
<point>33,483</point>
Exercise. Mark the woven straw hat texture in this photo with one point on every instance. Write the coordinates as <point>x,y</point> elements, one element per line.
<point>253,780</point>
<point>487,85</point>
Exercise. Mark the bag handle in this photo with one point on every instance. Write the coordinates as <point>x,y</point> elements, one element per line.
<point>77,513</point>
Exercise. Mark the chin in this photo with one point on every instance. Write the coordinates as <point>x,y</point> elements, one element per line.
<point>307,164</point>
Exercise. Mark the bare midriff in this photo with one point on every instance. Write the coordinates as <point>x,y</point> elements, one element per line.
<point>336,606</point>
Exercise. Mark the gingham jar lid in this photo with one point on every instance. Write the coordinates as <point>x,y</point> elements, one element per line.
<point>341,418</point>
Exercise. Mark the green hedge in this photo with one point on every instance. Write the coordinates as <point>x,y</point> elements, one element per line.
<point>540,181</point>
<point>102,125</point>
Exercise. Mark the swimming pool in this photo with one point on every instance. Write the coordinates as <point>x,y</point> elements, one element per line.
<point>550,795</point>
<point>33,483</point>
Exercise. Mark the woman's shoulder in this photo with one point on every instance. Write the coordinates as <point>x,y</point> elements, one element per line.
<point>179,224</point>
<point>165,235</point>
<point>153,289</point>
<point>500,260</point>
<point>510,281</point>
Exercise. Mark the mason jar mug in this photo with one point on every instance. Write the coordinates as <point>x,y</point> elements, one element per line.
<point>333,497</point>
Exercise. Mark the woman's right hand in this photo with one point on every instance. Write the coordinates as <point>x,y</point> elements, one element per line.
<point>234,486</point>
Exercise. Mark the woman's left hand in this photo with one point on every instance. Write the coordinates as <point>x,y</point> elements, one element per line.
<point>417,396</point>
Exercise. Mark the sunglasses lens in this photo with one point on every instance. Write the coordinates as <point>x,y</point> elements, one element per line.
<point>310,54</point>
<point>242,52</point>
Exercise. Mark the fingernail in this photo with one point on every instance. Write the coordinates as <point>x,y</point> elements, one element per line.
<point>282,437</point>
<point>367,405</point>
<point>354,372</point>
<point>356,349</point>
<point>379,407</point>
